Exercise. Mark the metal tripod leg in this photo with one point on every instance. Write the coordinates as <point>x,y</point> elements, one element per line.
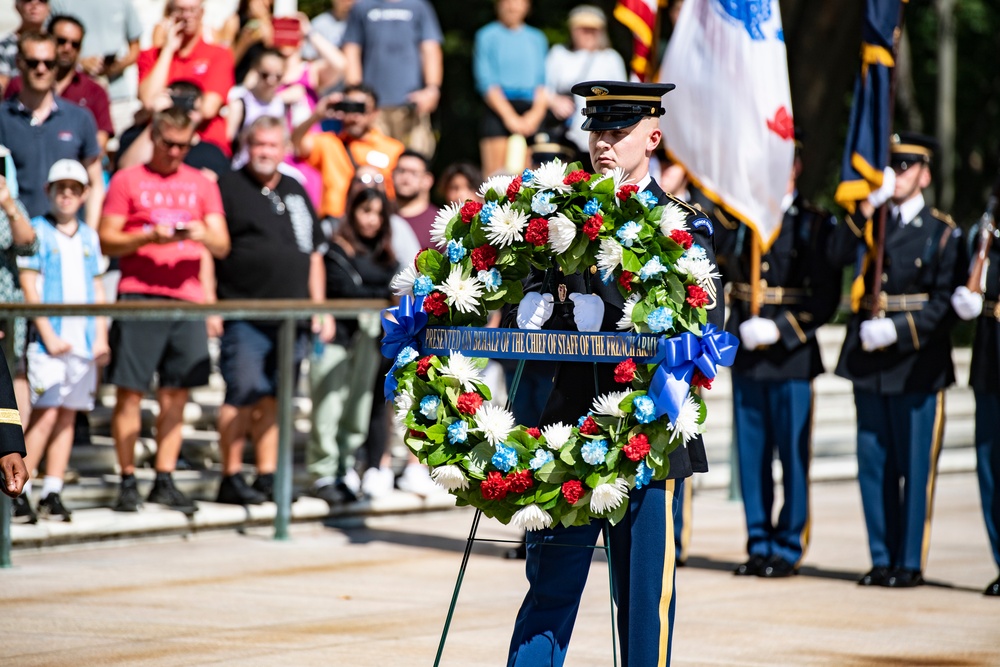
<point>611,587</point>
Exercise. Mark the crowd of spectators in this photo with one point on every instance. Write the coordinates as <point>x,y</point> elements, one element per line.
<point>262,157</point>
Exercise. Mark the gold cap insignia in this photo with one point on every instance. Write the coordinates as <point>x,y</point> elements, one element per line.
<point>600,90</point>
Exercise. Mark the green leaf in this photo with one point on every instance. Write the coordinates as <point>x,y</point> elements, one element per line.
<point>605,187</point>
<point>618,513</point>
<point>630,262</point>
<point>430,263</point>
<point>437,433</point>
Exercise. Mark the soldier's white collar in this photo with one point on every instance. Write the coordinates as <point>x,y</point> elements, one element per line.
<point>909,209</point>
<point>645,181</point>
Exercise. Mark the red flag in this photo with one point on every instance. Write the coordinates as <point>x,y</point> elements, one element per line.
<point>639,16</point>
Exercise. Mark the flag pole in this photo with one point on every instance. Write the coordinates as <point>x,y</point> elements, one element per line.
<point>882,211</point>
<point>984,240</point>
<point>756,291</point>
<point>653,62</point>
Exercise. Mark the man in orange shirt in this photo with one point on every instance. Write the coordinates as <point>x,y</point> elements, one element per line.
<point>357,144</point>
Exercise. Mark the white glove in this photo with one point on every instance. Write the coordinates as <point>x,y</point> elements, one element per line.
<point>877,334</point>
<point>588,311</point>
<point>967,304</point>
<point>884,193</point>
<point>534,310</point>
<point>758,332</point>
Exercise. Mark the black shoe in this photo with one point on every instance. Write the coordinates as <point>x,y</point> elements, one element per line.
<point>753,567</point>
<point>877,576</point>
<point>265,485</point>
<point>329,493</point>
<point>20,508</point>
<point>993,590</point>
<point>165,493</point>
<point>128,496</point>
<point>778,567</point>
<point>234,490</point>
<point>51,506</point>
<point>905,579</point>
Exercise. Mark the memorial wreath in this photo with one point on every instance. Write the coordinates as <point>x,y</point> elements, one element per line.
<point>555,216</point>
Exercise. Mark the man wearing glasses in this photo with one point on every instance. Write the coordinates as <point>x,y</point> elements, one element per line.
<point>40,128</point>
<point>160,218</point>
<point>34,14</point>
<point>72,83</point>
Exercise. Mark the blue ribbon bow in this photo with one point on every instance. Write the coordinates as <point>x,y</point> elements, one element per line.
<point>403,326</point>
<point>679,356</point>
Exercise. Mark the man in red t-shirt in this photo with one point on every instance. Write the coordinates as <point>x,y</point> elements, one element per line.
<point>185,56</point>
<point>160,218</point>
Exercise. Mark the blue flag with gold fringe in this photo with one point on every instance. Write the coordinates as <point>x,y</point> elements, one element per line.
<point>867,151</point>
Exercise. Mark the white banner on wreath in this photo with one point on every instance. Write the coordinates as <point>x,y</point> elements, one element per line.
<point>729,122</point>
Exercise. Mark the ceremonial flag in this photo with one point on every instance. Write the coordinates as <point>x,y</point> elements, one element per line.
<point>729,122</point>
<point>867,151</point>
<point>639,16</point>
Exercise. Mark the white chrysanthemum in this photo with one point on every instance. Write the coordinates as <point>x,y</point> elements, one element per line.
<point>556,435</point>
<point>701,269</point>
<point>506,226</point>
<point>450,478</point>
<point>608,496</point>
<point>686,423</point>
<point>673,218</point>
<point>607,404</point>
<point>402,282</point>
<point>617,175</point>
<point>626,323</point>
<point>463,369</point>
<point>609,257</point>
<point>403,403</point>
<point>562,233</point>
<point>498,184</point>
<point>440,224</point>
<point>550,176</point>
<point>531,517</point>
<point>463,293</point>
<point>494,422</point>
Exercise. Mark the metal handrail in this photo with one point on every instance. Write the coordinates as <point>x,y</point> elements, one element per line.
<point>286,311</point>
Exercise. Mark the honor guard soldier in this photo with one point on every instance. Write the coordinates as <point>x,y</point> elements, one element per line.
<point>13,473</point>
<point>979,299</point>
<point>624,131</point>
<point>898,355</point>
<point>778,299</point>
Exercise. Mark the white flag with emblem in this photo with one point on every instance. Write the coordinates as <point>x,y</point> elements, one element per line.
<point>729,122</point>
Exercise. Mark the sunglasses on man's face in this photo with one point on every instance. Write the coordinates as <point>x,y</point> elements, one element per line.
<point>63,41</point>
<point>33,63</point>
<point>181,145</point>
<point>28,2</point>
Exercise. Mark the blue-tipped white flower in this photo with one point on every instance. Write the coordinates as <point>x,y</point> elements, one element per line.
<point>429,406</point>
<point>644,409</point>
<point>487,212</point>
<point>527,177</point>
<point>653,267</point>
<point>629,233</point>
<point>491,279</point>
<point>541,457</point>
<point>592,207</point>
<point>660,320</point>
<point>458,431</point>
<point>423,286</point>
<point>646,198</point>
<point>643,475</point>
<point>456,251</point>
<point>609,257</point>
<point>406,355</point>
<point>696,252</point>
<point>594,451</point>
<point>542,204</point>
<point>504,458</point>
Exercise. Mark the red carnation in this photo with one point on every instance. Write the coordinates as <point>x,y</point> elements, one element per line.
<point>416,434</point>
<point>576,176</point>
<point>519,482</point>
<point>626,191</point>
<point>423,366</point>
<point>484,257</point>
<point>681,238</point>
<point>469,403</point>
<point>538,232</point>
<point>625,280</point>
<point>589,426</point>
<point>593,226</point>
<point>572,491</point>
<point>434,303</point>
<point>697,297</point>
<point>699,379</point>
<point>534,433</point>
<point>469,210</point>
<point>625,372</point>
<point>514,188</point>
<point>637,447</point>
<point>494,487</point>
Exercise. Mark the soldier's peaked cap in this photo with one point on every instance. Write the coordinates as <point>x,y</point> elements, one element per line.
<point>614,105</point>
<point>911,148</point>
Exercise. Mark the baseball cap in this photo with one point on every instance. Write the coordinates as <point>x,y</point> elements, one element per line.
<point>68,170</point>
<point>587,16</point>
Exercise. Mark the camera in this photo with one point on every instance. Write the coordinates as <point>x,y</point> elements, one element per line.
<point>348,106</point>
<point>183,102</point>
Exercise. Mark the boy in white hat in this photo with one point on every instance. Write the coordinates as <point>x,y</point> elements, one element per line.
<point>63,352</point>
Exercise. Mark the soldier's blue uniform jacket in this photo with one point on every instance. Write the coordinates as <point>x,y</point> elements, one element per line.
<point>11,433</point>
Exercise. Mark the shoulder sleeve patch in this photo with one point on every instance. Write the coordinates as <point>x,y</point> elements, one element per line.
<point>703,223</point>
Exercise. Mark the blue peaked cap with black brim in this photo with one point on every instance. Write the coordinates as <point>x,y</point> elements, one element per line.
<point>615,105</point>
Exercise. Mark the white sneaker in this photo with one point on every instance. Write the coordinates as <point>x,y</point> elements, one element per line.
<point>378,482</point>
<point>417,479</point>
<point>352,481</point>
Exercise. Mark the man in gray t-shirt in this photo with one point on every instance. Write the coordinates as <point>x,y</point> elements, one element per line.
<point>331,25</point>
<point>394,47</point>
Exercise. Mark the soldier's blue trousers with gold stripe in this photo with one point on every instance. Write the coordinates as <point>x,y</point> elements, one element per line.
<point>988,463</point>
<point>642,567</point>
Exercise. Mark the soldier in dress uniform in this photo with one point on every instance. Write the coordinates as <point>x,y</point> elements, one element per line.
<point>13,473</point>
<point>797,291</point>
<point>624,131</point>
<point>898,355</point>
<point>980,301</point>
